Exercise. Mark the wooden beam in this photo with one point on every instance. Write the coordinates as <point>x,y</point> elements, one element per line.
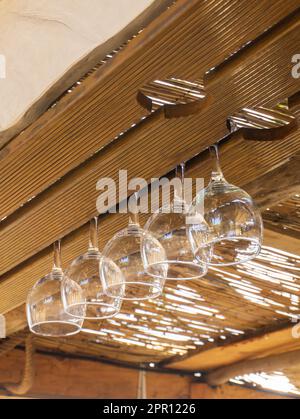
<point>266,344</point>
<point>281,241</point>
<point>278,184</point>
<point>269,364</point>
<point>283,218</point>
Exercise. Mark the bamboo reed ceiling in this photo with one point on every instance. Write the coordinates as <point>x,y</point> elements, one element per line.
<point>242,51</point>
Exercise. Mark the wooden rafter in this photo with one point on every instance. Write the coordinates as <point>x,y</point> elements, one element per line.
<point>268,364</point>
<point>267,344</point>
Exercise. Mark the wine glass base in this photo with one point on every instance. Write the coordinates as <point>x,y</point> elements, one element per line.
<point>91,309</point>
<point>233,251</point>
<point>55,329</point>
<point>177,271</point>
<point>134,291</point>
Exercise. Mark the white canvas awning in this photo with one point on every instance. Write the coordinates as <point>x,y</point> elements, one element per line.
<point>45,46</point>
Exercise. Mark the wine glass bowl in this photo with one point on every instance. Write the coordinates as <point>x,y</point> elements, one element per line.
<point>170,229</point>
<point>235,225</point>
<point>170,226</point>
<point>45,310</point>
<point>124,249</point>
<point>84,271</point>
<point>235,228</point>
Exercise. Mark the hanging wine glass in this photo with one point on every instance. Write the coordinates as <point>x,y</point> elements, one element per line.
<point>45,310</point>
<point>169,225</point>
<point>125,251</point>
<point>84,271</point>
<point>235,224</point>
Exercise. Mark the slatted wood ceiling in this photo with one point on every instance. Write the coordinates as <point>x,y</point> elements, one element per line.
<point>56,162</point>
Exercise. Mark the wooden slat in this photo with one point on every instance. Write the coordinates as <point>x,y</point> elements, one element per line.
<point>282,241</point>
<point>189,39</point>
<point>81,345</point>
<point>271,240</point>
<point>293,374</point>
<point>75,194</point>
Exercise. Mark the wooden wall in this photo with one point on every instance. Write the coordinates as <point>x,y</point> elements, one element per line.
<point>69,377</point>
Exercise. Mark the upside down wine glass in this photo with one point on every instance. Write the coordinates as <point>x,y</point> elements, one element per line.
<point>235,223</point>
<point>45,311</point>
<point>125,251</point>
<point>84,271</point>
<point>169,225</point>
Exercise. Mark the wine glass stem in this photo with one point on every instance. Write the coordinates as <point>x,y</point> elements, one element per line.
<point>134,216</point>
<point>57,255</point>
<point>179,186</point>
<point>93,239</point>
<point>217,173</point>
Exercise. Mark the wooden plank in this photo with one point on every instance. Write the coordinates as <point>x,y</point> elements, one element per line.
<point>75,194</point>
<point>190,38</point>
<point>74,40</point>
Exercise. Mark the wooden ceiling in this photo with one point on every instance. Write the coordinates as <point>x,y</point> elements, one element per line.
<point>241,50</point>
